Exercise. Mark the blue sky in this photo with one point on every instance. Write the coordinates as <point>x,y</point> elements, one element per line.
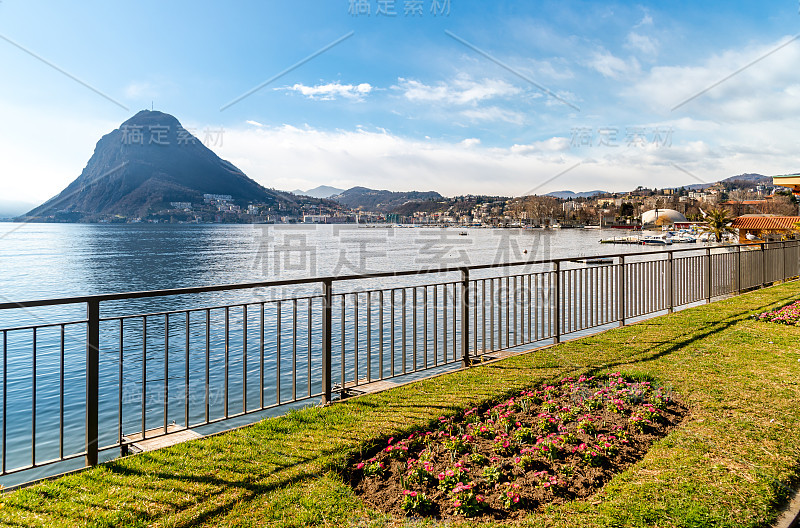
<point>468,96</point>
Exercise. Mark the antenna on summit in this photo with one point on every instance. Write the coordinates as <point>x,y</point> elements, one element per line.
<point>151,106</point>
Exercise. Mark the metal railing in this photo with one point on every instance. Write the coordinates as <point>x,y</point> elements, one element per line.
<point>76,388</point>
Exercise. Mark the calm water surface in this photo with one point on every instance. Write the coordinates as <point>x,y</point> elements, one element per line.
<point>39,261</point>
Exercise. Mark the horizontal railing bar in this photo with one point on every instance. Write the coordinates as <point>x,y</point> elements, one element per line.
<point>38,327</point>
<point>442,363</point>
<point>395,288</point>
<point>42,464</point>
<point>319,280</point>
<point>205,308</point>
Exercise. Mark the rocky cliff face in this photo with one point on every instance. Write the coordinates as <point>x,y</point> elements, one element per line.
<point>149,161</point>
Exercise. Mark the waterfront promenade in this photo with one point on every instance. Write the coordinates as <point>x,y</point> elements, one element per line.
<point>727,465</point>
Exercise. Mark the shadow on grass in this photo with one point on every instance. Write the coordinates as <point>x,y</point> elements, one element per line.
<point>248,489</point>
<point>675,343</point>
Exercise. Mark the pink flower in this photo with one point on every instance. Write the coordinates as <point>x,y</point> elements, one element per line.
<point>360,465</point>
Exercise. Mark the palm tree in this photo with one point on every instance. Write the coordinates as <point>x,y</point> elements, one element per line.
<point>719,222</point>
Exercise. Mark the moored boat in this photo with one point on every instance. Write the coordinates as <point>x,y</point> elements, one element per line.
<point>655,240</point>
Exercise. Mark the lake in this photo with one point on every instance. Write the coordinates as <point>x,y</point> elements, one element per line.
<point>58,260</point>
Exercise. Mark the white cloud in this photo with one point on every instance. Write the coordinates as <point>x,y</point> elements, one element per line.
<point>612,66</point>
<point>555,144</point>
<point>138,90</point>
<point>330,91</point>
<point>289,157</point>
<point>642,43</point>
<point>559,72</point>
<point>646,20</point>
<point>494,113</point>
<point>460,91</point>
<point>254,123</point>
<point>718,89</point>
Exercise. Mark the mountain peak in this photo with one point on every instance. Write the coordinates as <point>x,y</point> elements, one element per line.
<point>152,118</point>
<point>150,161</point>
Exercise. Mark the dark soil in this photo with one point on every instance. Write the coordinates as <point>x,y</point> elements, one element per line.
<point>544,446</point>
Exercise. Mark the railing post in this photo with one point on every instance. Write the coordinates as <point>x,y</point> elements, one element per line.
<point>708,275</point>
<point>739,269</point>
<point>763,264</point>
<point>92,379</point>
<point>465,328</point>
<point>621,291</point>
<point>670,300</point>
<point>783,259</point>
<point>557,301</point>
<point>327,342</point>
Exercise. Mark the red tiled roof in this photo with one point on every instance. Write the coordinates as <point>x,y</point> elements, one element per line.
<point>766,223</point>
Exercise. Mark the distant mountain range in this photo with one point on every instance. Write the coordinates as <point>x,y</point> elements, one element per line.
<point>323,191</point>
<point>754,179</point>
<point>566,195</point>
<point>381,200</point>
<point>145,164</point>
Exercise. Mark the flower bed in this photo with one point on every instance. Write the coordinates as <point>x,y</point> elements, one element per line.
<point>788,315</point>
<point>548,445</point>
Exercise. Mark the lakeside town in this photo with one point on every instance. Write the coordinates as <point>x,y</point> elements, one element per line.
<point>601,209</point>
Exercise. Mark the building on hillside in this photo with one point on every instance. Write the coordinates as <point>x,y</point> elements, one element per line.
<point>754,229</point>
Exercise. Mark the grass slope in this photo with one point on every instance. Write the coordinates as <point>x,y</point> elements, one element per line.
<point>732,461</point>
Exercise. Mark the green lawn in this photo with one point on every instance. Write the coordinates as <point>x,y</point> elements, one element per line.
<point>734,458</point>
